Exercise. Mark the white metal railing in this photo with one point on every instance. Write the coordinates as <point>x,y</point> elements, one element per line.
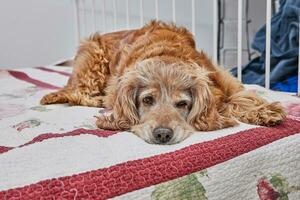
<point>299,61</point>
<point>80,18</point>
<point>193,8</point>
<point>268,44</point>
<point>240,39</point>
<point>115,13</point>
<point>215,30</point>
<point>141,13</point>
<point>174,11</point>
<point>156,9</point>
<point>127,14</point>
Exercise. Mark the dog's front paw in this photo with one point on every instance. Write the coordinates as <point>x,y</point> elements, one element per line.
<point>52,98</point>
<point>271,114</point>
<point>109,123</point>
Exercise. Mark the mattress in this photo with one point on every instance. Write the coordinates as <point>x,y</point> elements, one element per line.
<point>57,152</point>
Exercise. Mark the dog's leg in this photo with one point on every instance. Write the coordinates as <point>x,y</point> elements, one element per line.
<point>109,123</point>
<point>249,108</point>
<point>244,105</point>
<point>73,97</point>
<point>55,97</point>
<point>91,71</point>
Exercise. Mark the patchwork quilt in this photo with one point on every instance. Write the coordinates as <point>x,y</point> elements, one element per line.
<point>57,152</point>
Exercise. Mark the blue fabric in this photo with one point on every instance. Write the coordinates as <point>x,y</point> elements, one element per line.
<point>284,49</point>
<point>289,85</point>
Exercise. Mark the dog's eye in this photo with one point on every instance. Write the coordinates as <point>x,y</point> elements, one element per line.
<point>181,104</point>
<point>148,100</point>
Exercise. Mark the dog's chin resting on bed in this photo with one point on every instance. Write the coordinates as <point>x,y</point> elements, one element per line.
<point>159,86</point>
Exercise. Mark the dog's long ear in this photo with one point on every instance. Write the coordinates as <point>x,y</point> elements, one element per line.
<point>124,108</point>
<point>204,115</point>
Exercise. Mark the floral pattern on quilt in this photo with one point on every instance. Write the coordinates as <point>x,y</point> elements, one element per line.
<point>88,124</point>
<point>31,123</point>
<point>275,187</point>
<point>40,108</point>
<point>187,187</point>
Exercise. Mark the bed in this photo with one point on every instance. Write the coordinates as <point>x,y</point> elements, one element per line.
<point>57,152</point>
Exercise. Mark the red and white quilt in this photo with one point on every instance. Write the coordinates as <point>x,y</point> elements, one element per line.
<point>56,152</point>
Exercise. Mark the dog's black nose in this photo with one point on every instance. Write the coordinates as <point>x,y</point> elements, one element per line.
<point>162,135</point>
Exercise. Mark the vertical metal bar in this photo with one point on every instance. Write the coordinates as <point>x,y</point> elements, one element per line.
<point>127,14</point>
<point>103,16</point>
<point>268,44</point>
<point>298,91</point>
<point>174,10</point>
<point>156,9</point>
<point>240,37</point>
<point>141,13</point>
<point>193,17</point>
<point>76,19</point>
<point>115,14</point>
<point>94,16</point>
<point>215,31</point>
<point>84,17</point>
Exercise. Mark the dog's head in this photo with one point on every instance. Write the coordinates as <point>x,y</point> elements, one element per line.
<point>164,103</point>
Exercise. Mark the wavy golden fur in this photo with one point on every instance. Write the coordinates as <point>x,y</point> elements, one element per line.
<point>159,86</point>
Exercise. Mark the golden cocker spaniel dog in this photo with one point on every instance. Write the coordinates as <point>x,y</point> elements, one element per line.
<point>159,86</point>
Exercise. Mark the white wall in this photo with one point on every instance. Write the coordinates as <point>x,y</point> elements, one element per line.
<point>35,32</point>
